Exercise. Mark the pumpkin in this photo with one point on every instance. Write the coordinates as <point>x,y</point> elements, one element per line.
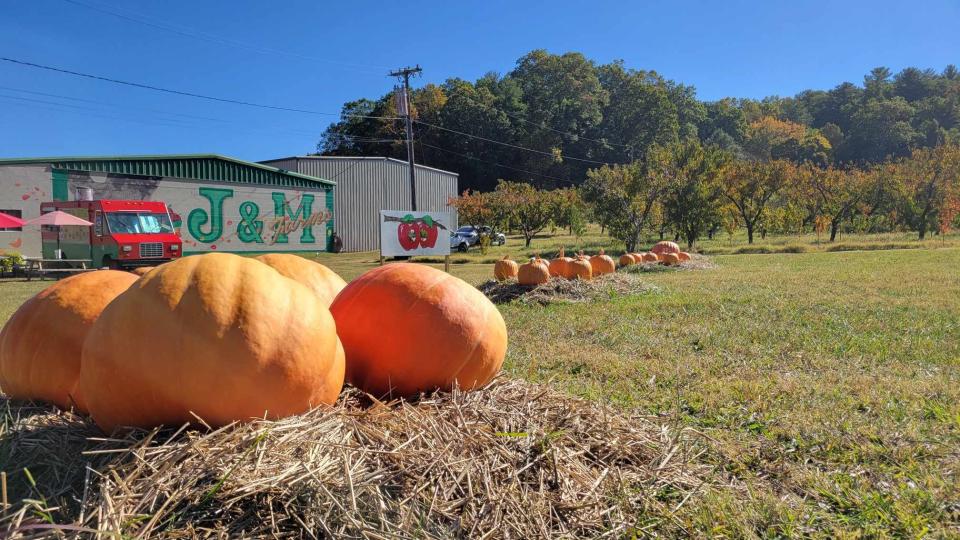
<point>560,266</point>
<point>224,337</point>
<point>649,257</point>
<point>430,330</point>
<point>505,269</point>
<point>602,264</point>
<point>665,247</point>
<point>141,270</point>
<point>670,259</point>
<point>580,268</point>
<point>325,283</point>
<point>534,272</point>
<point>684,256</point>
<point>627,259</point>
<point>40,344</point>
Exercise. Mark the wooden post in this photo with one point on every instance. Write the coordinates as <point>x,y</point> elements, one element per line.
<point>381,259</point>
<point>446,263</point>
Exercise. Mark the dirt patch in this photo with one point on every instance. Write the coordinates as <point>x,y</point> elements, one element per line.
<point>512,460</point>
<point>566,290</point>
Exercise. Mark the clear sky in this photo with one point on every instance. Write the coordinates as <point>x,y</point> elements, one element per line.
<point>316,55</point>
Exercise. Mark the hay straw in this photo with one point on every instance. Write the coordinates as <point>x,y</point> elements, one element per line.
<point>559,290</point>
<point>513,460</point>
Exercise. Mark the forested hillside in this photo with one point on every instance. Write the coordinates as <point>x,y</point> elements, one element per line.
<point>554,117</point>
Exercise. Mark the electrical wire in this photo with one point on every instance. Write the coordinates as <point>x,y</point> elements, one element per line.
<point>422,144</point>
<point>184,93</point>
<point>210,38</point>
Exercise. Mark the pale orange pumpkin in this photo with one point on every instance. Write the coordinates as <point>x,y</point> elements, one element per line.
<point>219,336</point>
<point>602,264</point>
<point>141,270</point>
<point>669,259</point>
<point>325,283</point>
<point>560,266</point>
<point>665,247</point>
<point>627,259</point>
<point>649,257</point>
<point>580,268</point>
<point>535,272</point>
<point>684,256</point>
<point>429,331</point>
<point>40,344</point>
<point>505,269</point>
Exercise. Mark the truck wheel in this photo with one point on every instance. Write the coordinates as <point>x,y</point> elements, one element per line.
<point>111,263</point>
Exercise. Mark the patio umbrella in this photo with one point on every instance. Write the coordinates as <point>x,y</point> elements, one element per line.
<point>58,218</point>
<point>8,222</point>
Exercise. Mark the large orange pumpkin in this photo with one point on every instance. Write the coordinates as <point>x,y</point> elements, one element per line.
<point>560,266</point>
<point>649,257</point>
<point>665,247</point>
<point>534,272</point>
<point>505,269</point>
<point>684,256</point>
<point>627,259</point>
<point>429,331</point>
<point>141,270</point>
<point>602,264</point>
<point>217,335</point>
<point>325,283</point>
<point>670,259</point>
<point>40,344</point>
<point>580,268</point>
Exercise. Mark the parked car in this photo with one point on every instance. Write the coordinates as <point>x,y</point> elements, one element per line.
<point>467,236</point>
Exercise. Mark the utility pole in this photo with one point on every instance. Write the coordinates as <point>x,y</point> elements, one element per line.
<point>403,107</point>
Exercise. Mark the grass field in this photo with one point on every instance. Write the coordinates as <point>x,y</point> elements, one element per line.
<point>825,384</point>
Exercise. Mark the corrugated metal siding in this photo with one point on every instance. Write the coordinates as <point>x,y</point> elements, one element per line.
<point>366,186</point>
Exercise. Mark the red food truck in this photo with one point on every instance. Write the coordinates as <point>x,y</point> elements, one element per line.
<point>125,234</point>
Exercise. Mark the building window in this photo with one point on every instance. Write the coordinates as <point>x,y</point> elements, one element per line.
<point>14,213</point>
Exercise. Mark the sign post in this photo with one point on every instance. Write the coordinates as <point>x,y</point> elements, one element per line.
<point>404,233</point>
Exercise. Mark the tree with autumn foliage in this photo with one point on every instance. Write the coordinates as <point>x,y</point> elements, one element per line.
<point>927,182</point>
<point>473,208</point>
<point>691,172</point>
<point>528,209</point>
<point>625,195</point>
<point>750,186</point>
<point>833,194</point>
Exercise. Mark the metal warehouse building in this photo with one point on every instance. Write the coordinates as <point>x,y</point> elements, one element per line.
<point>366,185</point>
<point>217,203</point>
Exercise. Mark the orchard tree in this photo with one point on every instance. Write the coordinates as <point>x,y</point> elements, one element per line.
<point>834,193</point>
<point>750,186</point>
<point>530,210</point>
<point>927,181</point>
<point>692,172</point>
<point>473,208</point>
<point>569,211</point>
<point>625,195</point>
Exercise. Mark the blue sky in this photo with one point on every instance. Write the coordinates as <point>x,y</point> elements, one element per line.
<point>317,55</point>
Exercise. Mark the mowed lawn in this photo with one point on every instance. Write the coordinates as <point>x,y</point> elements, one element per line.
<point>824,386</point>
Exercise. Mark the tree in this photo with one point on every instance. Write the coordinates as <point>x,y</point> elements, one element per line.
<point>833,193</point>
<point>928,184</point>
<point>569,211</point>
<point>691,172</point>
<point>528,209</point>
<point>750,186</point>
<point>625,195</point>
<point>769,138</point>
<point>473,208</point>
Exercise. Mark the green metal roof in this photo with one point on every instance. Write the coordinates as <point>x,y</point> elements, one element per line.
<point>210,167</point>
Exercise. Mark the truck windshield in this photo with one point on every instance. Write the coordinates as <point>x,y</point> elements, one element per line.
<point>138,223</point>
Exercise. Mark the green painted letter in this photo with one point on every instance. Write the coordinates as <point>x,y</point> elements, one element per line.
<point>199,217</point>
<point>281,209</point>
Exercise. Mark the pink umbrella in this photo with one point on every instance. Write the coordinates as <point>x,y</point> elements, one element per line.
<point>58,219</point>
<point>8,222</point>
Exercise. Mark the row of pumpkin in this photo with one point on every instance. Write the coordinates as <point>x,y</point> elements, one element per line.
<point>538,271</point>
<point>227,338</point>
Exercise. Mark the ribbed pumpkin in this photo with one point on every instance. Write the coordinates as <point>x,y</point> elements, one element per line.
<point>560,266</point>
<point>429,331</point>
<point>665,247</point>
<point>534,272</point>
<point>669,259</point>
<point>141,270</point>
<point>602,264</point>
<point>325,283</point>
<point>649,257</point>
<point>505,269</point>
<point>627,259</point>
<point>40,344</point>
<point>580,268</point>
<point>217,335</point>
<point>684,256</point>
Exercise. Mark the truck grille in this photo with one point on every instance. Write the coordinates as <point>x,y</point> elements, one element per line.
<point>151,250</point>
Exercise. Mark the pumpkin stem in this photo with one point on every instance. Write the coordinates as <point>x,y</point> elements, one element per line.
<point>601,251</point>
<point>561,253</point>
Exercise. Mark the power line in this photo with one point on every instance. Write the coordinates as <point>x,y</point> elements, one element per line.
<point>495,163</point>
<point>518,147</point>
<point>211,38</point>
<point>183,93</point>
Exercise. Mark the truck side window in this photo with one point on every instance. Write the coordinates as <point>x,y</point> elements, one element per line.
<point>98,223</point>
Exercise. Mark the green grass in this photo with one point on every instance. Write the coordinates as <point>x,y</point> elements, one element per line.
<point>825,383</point>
